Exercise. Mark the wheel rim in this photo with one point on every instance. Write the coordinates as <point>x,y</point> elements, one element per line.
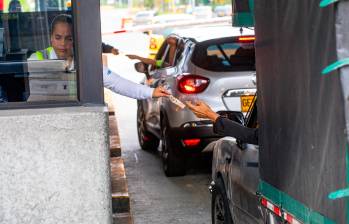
<point>219,215</point>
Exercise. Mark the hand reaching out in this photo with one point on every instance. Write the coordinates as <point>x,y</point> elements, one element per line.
<point>160,92</point>
<point>147,61</point>
<point>115,51</point>
<point>132,56</point>
<point>202,110</point>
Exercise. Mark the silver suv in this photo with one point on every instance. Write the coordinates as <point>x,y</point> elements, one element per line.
<point>213,64</point>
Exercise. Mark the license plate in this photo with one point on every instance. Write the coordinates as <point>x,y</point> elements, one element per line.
<point>246,102</point>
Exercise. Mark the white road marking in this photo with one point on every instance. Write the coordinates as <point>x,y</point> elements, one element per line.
<point>136,157</point>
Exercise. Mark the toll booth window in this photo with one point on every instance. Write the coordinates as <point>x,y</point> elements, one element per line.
<point>37,52</point>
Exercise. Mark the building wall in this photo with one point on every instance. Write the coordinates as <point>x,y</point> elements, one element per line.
<point>54,166</point>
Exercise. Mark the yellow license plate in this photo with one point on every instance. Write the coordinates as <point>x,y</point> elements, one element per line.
<point>246,102</point>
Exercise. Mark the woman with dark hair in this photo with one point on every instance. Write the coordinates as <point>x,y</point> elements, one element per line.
<point>62,48</point>
<point>61,38</point>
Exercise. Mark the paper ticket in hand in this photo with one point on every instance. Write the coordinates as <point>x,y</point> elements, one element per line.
<point>176,101</point>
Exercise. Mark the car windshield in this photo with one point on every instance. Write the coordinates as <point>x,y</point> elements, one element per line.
<point>226,54</point>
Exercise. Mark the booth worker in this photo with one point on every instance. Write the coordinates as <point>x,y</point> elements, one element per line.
<point>61,39</point>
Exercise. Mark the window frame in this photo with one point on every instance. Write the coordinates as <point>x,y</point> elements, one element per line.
<point>88,59</point>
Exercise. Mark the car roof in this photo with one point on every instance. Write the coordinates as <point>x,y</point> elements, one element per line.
<point>200,34</point>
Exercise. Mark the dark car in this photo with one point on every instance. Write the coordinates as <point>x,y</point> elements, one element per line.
<point>235,178</point>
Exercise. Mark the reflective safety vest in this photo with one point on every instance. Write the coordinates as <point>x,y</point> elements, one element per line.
<point>44,54</point>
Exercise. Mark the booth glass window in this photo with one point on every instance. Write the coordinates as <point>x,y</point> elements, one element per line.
<point>37,62</point>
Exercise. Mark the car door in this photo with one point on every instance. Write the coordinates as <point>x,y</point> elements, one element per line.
<point>230,154</point>
<point>245,159</point>
<point>160,76</point>
<point>249,203</point>
<point>153,104</point>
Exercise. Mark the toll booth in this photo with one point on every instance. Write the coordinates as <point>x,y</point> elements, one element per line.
<point>54,165</point>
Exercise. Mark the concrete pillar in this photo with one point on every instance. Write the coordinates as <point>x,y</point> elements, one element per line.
<point>54,166</point>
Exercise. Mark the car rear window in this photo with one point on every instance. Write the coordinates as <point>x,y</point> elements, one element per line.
<point>226,54</point>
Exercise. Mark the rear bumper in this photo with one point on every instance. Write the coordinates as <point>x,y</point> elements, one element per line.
<point>204,132</point>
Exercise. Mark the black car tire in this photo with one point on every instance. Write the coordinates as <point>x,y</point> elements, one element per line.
<point>219,204</point>
<point>146,140</point>
<point>173,163</point>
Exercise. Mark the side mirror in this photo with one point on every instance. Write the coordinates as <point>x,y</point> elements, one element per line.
<point>141,67</point>
<point>236,116</point>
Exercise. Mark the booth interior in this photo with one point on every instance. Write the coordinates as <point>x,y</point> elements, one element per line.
<point>21,35</point>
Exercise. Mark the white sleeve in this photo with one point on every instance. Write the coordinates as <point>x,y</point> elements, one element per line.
<point>125,87</point>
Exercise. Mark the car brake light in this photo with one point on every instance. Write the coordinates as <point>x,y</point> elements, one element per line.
<point>192,83</point>
<point>191,142</point>
<point>247,39</point>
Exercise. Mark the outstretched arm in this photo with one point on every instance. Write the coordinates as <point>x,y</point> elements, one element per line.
<point>109,49</point>
<point>147,61</point>
<point>202,110</point>
<point>130,89</point>
<point>224,126</point>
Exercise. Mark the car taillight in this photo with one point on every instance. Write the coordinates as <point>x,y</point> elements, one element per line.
<point>247,39</point>
<point>192,83</point>
<point>191,142</point>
